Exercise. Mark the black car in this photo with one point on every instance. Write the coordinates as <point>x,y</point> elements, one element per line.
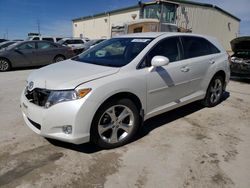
<point>33,53</point>
<point>3,40</point>
<point>240,60</point>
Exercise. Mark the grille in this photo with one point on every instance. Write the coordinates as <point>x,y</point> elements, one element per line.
<point>37,96</point>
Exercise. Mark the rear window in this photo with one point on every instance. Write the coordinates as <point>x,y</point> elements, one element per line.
<point>196,46</point>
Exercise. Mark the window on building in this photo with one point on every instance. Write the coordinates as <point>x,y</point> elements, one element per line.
<point>166,12</point>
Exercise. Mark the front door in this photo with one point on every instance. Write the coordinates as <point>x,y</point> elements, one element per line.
<point>166,85</point>
<point>25,54</point>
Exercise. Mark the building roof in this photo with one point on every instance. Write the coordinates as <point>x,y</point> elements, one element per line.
<point>171,1</point>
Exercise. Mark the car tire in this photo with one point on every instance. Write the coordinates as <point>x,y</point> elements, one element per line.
<point>215,92</point>
<point>115,124</point>
<point>59,58</point>
<point>4,65</point>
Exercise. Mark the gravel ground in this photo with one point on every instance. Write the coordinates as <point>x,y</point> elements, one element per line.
<point>188,147</point>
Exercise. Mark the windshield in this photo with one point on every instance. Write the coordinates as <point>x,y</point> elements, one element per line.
<point>12,45</point>
<point>115,52</point>
<point>61,41</point>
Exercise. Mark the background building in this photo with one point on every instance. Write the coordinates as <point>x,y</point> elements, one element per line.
<point>186,16</point>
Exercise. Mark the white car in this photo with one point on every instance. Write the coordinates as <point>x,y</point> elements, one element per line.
<point>77,44</point>
<point>104,94</point>
<point>46,38</point>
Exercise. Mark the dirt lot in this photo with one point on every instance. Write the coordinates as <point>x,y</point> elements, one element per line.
<point>188,147</point>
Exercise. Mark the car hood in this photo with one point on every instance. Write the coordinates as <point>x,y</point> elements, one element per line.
<point>68,75</point>
<point>241,44</point>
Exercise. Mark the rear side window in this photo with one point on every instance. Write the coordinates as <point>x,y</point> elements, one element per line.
<point>196,46</point>
<point>44,45</point>
<point>48,39</point>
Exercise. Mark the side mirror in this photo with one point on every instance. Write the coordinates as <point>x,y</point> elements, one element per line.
<point>159,61</point>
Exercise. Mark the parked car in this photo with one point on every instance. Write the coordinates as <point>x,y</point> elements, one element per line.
<point>46,38</point>
<point>3,40</point>
<point>240,60</point>
<point>32,53</point>
<point>104,94</point>
<point>91,43</point>
<point>6,44</point>
<point>77,44</point>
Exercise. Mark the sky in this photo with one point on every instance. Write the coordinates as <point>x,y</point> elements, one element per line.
<point>20,17</point>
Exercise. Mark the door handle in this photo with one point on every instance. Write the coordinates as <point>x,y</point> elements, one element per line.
<point>211,61</point>
<point>185,69</point>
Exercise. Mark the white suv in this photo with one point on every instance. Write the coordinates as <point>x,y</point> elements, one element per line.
<point>77,44</point>
<point>104,94</point>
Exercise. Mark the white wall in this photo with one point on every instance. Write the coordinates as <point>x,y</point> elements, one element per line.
<point>208,21</point>
<point>100,27</point>
<point>201,20</point>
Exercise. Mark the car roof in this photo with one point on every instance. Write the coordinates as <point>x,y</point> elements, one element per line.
<point>74,38</point>
<point>157,34</point>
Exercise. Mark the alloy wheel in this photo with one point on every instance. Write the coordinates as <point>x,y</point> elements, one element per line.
<point>115,124</point>
<point>59,58</point>
<point>216,91</point>
<point>4,65</point>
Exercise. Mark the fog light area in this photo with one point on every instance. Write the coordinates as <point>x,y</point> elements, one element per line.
<point>67,129</point>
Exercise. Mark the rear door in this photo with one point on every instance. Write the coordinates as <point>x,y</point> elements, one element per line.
<point>25,54</point>
<point>46,52</point>
<point>167,85</point>
<point>201,55</point>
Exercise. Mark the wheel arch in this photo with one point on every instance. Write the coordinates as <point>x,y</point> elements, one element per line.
<point>222,74</point>
<point>59,55</point>
<point>128,95</point>
<point>123,95</point>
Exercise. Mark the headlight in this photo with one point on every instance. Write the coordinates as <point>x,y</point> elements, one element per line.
<point>67,95</point>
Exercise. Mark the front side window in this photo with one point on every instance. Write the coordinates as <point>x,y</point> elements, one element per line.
<point>27,46</point>
<point>169,48</point>
<point>115,52</point>
<point>196,46</point>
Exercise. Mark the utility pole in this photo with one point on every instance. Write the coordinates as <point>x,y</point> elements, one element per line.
<point>38,26</point>
<point>7,33</point>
